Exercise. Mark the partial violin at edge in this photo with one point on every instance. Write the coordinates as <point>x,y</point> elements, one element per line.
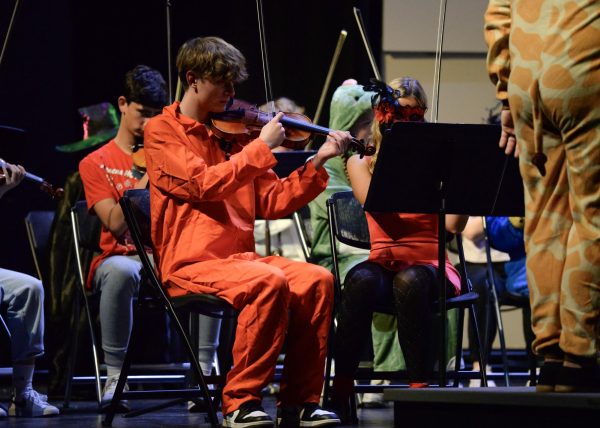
<point>54,192</point>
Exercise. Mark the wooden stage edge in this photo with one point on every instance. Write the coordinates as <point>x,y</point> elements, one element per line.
<point>490,407</point>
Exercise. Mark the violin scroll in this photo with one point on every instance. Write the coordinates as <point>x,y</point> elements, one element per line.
<point>362,148</point>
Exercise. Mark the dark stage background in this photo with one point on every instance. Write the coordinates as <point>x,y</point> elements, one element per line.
<point>64,54</point>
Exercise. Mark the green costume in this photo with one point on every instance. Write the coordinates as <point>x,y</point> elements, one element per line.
<point>349,102</point>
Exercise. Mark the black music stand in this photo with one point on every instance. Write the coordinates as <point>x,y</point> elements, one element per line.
<point>445,168</point>
<point>288,161</point>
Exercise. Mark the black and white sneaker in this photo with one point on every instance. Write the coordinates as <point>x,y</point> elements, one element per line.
<point>250,414</point>
<point>309,415</point>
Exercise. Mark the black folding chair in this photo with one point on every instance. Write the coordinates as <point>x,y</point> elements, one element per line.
<point>300,218</point>
<point>348,224</point>
<point>86,236</point>
<point>136,209</point>
<point>38,225</point>
<point>512,301</point>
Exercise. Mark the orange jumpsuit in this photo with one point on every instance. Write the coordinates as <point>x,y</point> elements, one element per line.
<point>203,208</point>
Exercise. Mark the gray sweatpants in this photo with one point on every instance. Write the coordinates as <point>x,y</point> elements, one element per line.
<point>24,299</point>
<point>118,278</point>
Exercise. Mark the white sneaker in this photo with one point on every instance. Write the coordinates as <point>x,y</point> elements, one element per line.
<point>250,414</point>
<point>374,400</point>
<point>2,412</point>
<point>476,383</point>
<point>109,391</point>
<point>31,404</point>
<point>451,362</point>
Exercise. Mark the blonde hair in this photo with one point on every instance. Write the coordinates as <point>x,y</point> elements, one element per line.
<point>211,58</point>
<point>284,104</point>
<point>408,87</point>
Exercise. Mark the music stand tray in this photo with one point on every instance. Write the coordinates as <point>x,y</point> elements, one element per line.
<point>288,161</point>
<point>415,157</point>
<point>444,168</point>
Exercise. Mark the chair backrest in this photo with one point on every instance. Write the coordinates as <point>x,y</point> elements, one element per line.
<point>136,210</point>
<point>86,235</point>
<point>38,225</point>
<point>86,227</point>
<point>349,223</point>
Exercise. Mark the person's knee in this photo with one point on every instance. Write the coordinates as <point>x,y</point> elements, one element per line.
<point>411,280</point>
<point>275,283</point>
<point>34,290</point>
<point>362,280</point>
<point>121,279</point>
<point>321,278</point>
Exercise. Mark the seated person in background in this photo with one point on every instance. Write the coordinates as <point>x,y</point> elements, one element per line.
<point>402,265</point>
<point>106,174</point>
<point>351,110</point>
<point>506,234</point>
<point>476,259</point>
<point>204,198</point>
<point>23,297</point>
<point>508,268</point>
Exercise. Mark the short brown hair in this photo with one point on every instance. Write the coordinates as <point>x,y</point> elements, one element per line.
<point>211,58</point>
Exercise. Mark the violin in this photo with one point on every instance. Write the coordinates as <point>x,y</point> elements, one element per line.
<point>139,159</point>
<point>241,118</point>
<point>54,192</point>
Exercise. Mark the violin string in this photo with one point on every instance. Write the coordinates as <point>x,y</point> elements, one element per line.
<point>264,55</point>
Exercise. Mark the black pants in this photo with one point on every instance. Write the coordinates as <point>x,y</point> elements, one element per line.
<point>408,294</point>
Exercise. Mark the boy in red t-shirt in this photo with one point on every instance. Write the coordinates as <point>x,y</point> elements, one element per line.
<point>106,174</point>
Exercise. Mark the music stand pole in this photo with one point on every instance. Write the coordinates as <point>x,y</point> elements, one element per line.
<point>442,285</point>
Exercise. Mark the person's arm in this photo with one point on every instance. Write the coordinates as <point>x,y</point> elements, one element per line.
<point>279,197</point>
<point>13,175</point>
<point>497,32</point>
<point>178,171</point>
<point>111,214</point>
<point>456,223</point>
<point>504,236</point>
<point>360,176</point>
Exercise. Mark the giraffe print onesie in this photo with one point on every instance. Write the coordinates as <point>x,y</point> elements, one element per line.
<point>544,56</point>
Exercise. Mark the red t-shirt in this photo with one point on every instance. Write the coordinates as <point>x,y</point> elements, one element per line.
<point>106,174</point>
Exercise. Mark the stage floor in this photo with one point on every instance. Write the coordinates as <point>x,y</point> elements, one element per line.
<point>491,407</point>
<point>83,414</point>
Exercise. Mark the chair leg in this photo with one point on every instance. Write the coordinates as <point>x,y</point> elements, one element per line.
<point>72,355</point>
<point>212,415</point>
<point>114,404</point>
<point>226,360</point>
<point>501,336</point>
<point>482,359</point>
<point>328,364</point>
<point>459,340</point>
<point>95,359</point>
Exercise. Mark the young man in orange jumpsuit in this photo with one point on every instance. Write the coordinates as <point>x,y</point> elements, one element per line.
<point>205,195</point>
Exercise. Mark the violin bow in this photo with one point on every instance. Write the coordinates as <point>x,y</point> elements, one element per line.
<point>363,34</point>
<point>334,60</point>
<point>270,102</point>
<point>438,62</point>
<point>168,5</point>
<point>265,58</point>
<point>9,30</point>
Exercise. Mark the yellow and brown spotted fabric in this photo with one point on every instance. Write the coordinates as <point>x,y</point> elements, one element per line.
<point>544,57</point>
